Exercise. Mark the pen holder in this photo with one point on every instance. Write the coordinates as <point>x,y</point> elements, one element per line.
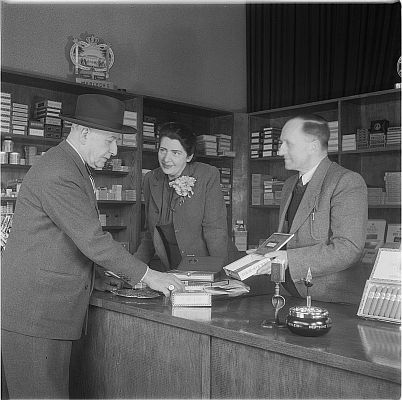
<point>278,301</point>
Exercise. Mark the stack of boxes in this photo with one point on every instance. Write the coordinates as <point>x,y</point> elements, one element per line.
<point>149,139</point>
<point>5,104</point>
<point>19,117</point>
<point>392,193</point>
<point>333,136</point>
<point>255,144</point>
<point>207,145</point>
<point>264,142</point>
<point>226,185</point>
<point>224,145</point>
<point>392,188</point>
<point>31,154</point>
<point>36,128</point>
<point>265,190</point>
<point>257,188</point>
<point>378,133</point>
<point>270,141</point>
<point>116,192</point>
<point>349,142</point>
<point>362,138</point>
<point>48,112</point>
<point>394,136</point>
<point>130,119</point>
<point>273,191</point>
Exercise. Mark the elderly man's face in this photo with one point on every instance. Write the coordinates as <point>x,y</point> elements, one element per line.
<point>101,145</point>
<point>296,146</point>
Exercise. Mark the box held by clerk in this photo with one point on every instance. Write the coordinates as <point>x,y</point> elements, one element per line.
<point>248,265</point>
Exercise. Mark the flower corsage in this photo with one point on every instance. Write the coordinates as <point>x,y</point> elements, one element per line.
<point>183,186</point>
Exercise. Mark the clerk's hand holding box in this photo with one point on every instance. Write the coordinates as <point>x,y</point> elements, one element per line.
<point>259,261</point>
<point>279,256</point>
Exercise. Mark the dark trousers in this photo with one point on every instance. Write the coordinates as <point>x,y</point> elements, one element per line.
<point>35,368</point>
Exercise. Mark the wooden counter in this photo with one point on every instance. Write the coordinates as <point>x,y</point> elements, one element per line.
<point>137,349</point>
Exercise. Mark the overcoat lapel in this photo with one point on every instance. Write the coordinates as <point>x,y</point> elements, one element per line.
<point>90,191</point>
<point>83,171</point>
<point>310,198</point>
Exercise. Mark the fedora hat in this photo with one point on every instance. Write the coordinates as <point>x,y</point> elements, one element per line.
<point>101,112</point>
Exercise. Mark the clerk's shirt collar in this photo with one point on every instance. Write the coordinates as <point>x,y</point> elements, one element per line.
<point>306,178</point>
<point>76,150</point>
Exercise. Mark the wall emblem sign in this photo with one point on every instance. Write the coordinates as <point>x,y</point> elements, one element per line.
<point>92,61</point>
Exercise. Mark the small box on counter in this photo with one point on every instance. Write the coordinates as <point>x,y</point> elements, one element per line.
<point>191,299</point>
<point>381,298</point>
<point>199,276</point>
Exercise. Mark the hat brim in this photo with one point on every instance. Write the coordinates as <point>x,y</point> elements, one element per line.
<point>124,128</point>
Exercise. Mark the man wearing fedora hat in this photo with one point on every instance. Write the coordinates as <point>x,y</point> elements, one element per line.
<point>48,264</point>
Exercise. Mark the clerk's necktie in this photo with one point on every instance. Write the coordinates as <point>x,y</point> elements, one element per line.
<point>297,196</point>
<point>91,176</point>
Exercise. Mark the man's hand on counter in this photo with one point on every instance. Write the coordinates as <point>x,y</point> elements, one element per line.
<point>162,282</point>
<point>105,283</point>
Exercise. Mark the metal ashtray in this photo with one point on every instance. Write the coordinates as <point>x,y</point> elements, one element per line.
<point>308,321</point>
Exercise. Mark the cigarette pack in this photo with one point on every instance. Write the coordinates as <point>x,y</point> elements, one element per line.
<point>381,298</point>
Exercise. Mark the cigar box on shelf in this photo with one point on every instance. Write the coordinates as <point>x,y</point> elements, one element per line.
<point>381,298</point>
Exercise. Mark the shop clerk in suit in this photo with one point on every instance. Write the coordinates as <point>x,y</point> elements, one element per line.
<point>329,223</point>
<point>192,224</point>
<point>48,263</point>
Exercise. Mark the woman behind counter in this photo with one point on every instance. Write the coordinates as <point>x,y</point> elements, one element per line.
<point>192,224</point>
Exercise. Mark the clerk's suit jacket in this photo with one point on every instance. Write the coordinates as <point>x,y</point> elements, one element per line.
<point>200,222</point>
<point>47,265</point>
<point>329,228</point>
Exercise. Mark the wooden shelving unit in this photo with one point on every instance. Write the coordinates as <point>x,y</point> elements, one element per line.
<point>29,88</point>
<point>351,113</point>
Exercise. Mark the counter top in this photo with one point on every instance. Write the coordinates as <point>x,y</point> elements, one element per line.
<point>372,348</point>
